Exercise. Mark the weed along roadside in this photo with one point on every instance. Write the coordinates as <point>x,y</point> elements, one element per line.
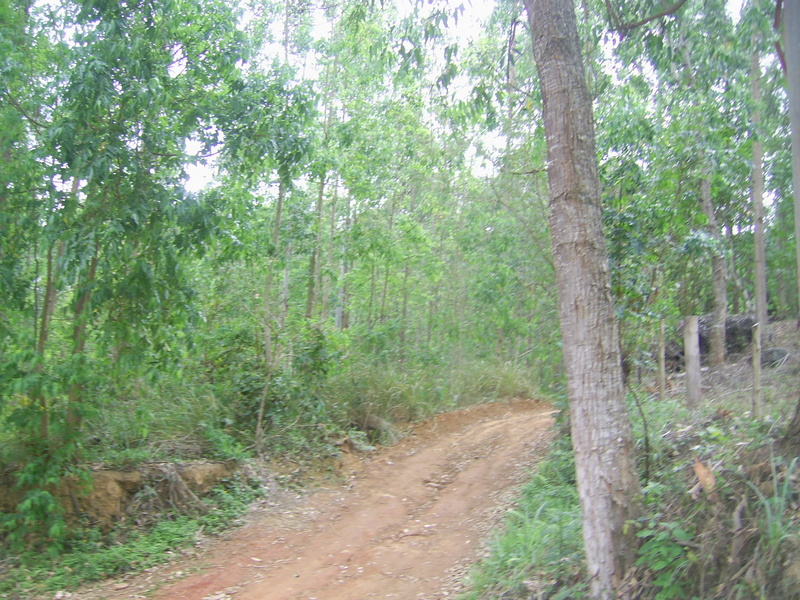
<point>152,506</point>
<point>721,508</point>
<point>129,521</point>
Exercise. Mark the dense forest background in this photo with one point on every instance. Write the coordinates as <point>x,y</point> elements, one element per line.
<point>237,228</point>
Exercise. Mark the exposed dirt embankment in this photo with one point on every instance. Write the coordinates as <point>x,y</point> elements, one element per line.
<point>406,524</point>
<point>113,493</point>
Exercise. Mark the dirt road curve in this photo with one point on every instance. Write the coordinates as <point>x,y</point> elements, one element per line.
<point>406,526</point>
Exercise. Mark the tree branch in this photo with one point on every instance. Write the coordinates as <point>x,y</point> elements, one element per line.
<point>777,26</point>
<point>530,172</point>
<point>21,111</point>
<point>624,28</point>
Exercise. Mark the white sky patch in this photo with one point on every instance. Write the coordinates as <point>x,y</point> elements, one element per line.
<point>200,175</point>
<point>323,27</point>
<point>734,9</point>
<point>473,19</point>
<point>469,23</point>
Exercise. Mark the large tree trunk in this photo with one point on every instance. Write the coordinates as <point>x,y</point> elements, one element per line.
<point>601,432</point>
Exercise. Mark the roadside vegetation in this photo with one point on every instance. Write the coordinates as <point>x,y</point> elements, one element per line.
<point>46,551</point>
<point>721,493</point>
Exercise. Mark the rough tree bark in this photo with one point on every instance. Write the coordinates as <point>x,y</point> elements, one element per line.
<point>601,434</point>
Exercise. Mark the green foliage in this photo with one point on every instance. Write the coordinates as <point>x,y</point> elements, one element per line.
<point>408,394</point>
<point>38,521</point>
<point>664,552</point>
<point>695,545</point>
<point>777,522</point>
<point>735,541</point>
<point>38,516</point>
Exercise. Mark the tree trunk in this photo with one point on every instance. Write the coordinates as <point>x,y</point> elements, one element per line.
<point>269,352</point>
<point>740,294</point>
<point>316,255</point>
<point>758,396</point>
<point>74,413</point>
<point>326,291</point>
<point>601,434</point>
<point>404,313</point>
<point>385,292</point>
<point>662,362</point>
<point>48,307</point>
<point>342,317</point>
<point>791,43</point>
<point>371,295</point>
<point>719,265</point>
<point>758,197</point>
<point>285,289</point>
<point>719,268</point>
<point>691,361</point>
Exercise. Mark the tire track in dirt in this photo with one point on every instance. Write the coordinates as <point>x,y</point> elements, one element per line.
<point>407,525</point>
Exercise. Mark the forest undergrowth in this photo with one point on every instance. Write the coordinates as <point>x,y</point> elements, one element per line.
<point>311,409</point>
<point>721,492</point>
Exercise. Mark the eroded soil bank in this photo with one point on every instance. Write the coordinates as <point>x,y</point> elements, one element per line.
<point>406,524</point>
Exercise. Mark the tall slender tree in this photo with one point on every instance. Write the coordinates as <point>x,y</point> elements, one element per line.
<point>601,434</point>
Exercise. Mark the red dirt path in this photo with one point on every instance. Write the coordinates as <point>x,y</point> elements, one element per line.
<point>406,525</point>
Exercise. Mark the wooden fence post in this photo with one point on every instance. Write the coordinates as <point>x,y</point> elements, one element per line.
<point>691,358</point>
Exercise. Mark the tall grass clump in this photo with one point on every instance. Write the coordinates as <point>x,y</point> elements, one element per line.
<point>720,513</point>
<point>404,393</point>
<point>171,419</point>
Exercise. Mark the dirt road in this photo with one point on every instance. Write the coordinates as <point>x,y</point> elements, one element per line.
<point>406,525</point>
